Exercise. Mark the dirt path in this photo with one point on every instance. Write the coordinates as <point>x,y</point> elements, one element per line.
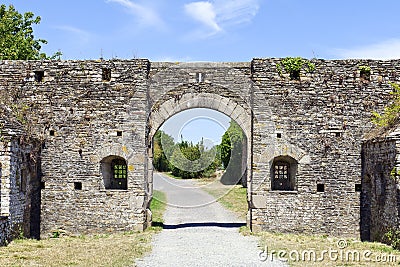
<point>199,232</point>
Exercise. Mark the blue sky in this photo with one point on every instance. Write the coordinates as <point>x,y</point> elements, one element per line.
<point>195,124</point>
<point>218,30</point>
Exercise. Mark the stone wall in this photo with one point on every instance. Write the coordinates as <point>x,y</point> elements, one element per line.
<point>380,199</point>
<point>85,111</point>
<point>20,187</point>
<point>4,230</point>
<point>83,116</point>
<point>319,121</point>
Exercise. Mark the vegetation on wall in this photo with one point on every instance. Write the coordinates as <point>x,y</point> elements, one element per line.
<point>17,42</point>
<point>293,66</point>
<point>391,113</point>
<point>392,237</point>
<point>365,72</point>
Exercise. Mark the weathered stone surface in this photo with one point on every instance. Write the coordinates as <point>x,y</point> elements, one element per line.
<point>380,198</point>
<point>319,121</point>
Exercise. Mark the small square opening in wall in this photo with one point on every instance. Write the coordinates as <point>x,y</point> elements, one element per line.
<point>39,74</point>
<point>358,187</point>
<point>52,132</point>
<point>278,135</point>
<point>106,74</point>
<point>200,77</point>
<point>78,185</point>
<point>320,188</point>
<point>338,134</point>
<point>42,185</point>
<point>119,133</point>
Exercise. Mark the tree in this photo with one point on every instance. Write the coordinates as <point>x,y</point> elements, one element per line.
<point>232,138</point>
<point>163,149</point>
<point>184,159</point>
<point>16,35</point>
<point>232,145</point>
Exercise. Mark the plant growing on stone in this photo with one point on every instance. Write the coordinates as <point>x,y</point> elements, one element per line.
<point>393,238</point>
<point>293,66</point>
<point>365,72</point>
<point>394,173</point>
<point>391,113</point>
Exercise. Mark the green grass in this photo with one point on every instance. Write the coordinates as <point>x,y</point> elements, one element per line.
<point>115,249</point>
<point>235,199</point>
<point>232,197</point>
<point>157,207</point>
<point>171,175</point>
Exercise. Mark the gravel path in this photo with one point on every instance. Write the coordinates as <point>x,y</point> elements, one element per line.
<point>199,232</point>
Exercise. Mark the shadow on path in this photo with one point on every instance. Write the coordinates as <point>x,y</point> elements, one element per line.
<point>191,225</point>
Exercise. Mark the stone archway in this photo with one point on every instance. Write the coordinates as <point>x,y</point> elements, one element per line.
<point>162,111</point>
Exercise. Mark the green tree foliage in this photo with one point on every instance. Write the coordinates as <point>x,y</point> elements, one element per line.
<point>232,145</point>
<point>163,148</point>
<point>391,113</point>
<point>16,35</point>
<point>193,161</point>
<point>225,148</point>
<point>232,141</point>
<point>184,159</point>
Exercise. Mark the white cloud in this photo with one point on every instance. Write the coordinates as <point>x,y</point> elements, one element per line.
<point>389,49</point>
<point>171,59</point>
<point>81,36</point>
<point>145,15</point>
<point>219,14</point>
<point>204,12</point>
<point>236,11</point>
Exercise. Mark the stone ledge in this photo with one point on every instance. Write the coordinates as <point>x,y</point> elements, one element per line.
<point>283,192</point>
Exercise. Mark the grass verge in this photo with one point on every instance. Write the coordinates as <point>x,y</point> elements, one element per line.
<point>157,207</point>
<point>308,250</point>
<point>99,250</point>
<point>119,249</point>
<point>232,197</point>
<point>171,175</point>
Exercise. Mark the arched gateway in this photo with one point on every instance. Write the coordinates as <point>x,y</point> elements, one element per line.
<point>89,168</point>
<point>200,86</point>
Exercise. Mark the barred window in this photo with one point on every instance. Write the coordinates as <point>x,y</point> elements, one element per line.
<point>115,173</point>
<point>281,170</point>
<point>283,173</point>
<point>119,169</point>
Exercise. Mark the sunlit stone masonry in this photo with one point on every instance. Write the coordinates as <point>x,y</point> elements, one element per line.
<point>76,142</point>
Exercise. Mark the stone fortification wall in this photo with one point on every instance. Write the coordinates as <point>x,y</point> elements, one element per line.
<point>319,121</point>
<point>380,199</point>
<point>84,112</point>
